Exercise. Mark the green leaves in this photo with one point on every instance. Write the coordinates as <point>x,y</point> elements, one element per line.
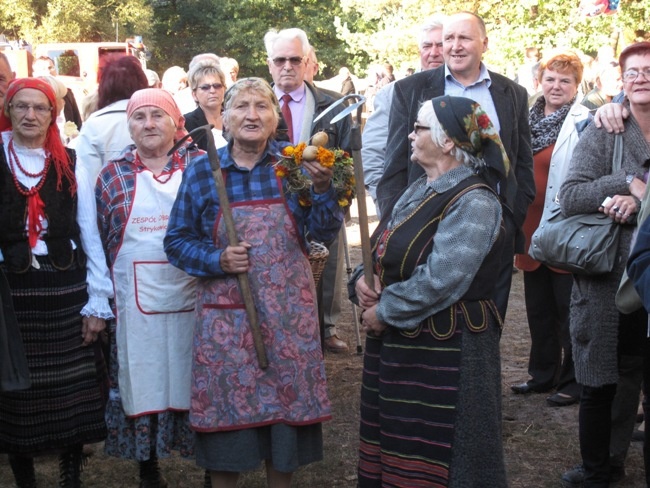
<point>354,33</point>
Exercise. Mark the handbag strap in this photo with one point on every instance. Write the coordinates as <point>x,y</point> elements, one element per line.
<point>618,153</point>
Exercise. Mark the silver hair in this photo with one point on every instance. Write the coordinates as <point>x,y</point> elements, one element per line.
<point>439,137</point>
<point>272,36</point>
<point>250,85</point>
<point>60,90</point>
<point>203,68</point>
<point>200,57</point>
<point>436,21</point>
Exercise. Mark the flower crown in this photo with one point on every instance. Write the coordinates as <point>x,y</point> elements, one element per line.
<point>298,181</point>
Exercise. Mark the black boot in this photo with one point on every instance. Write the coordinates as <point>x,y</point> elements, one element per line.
<point>70,467</point>
<point>150,476</point>
<point>207,480</point>
<point>23,469</point>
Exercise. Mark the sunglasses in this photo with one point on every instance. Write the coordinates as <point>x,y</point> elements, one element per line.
<point>207,86</point>
<point>294,61</point>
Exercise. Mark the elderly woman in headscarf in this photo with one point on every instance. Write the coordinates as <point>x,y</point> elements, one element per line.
<point>430,399</point>
<point>59,282</point>
<point>151,338</point>
<point>245,415</point>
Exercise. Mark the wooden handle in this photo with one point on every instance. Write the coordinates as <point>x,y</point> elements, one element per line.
<point>244,285</point>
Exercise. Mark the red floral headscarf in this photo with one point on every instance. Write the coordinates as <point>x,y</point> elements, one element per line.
<point>52,144</point>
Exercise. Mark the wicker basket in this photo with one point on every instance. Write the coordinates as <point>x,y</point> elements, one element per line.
<point>318,255</point>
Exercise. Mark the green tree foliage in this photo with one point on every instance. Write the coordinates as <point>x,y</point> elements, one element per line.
<point>236,28</point>
<point>355,33</point>
<point>388,28</point>
<point>39,21</point>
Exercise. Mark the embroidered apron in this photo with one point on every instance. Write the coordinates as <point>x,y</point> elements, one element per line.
<point>155,306</point>
<point>229,389</point>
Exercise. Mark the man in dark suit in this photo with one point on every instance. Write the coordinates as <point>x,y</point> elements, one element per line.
<point>464,74</point>
<point>301,102</point>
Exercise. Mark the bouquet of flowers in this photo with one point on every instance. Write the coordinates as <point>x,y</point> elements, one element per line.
<point>290,168</point>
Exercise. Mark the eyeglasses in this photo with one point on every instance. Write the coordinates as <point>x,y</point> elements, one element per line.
<point>633,74</point>
<point>294,61</point>
<point>207,86</point>
<point>417,128</point>
<point>23,108</point>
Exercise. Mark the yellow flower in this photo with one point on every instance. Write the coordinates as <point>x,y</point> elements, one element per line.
<point>299,183</point>
<point>325,157</point>
<point>297,153</point>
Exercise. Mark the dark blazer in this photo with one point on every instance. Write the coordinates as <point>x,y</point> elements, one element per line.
<point>511,103</point>
<point>196,119</point>
<point>339,133</point>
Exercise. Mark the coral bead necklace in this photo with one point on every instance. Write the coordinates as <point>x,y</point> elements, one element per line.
<point>35,205</point>
<point>14,163</point>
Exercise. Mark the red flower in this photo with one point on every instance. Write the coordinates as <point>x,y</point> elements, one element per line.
<point>483,121</point>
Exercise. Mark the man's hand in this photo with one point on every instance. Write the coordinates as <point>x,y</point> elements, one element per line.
<point>611,116</point>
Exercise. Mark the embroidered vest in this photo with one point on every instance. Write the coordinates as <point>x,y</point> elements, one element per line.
<point>409,244</point>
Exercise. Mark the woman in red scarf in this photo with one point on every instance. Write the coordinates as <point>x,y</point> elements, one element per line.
<point>49,239</point>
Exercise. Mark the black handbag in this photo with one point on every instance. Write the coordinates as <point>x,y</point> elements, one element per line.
<point>583,244</point>
<point>14,373</point>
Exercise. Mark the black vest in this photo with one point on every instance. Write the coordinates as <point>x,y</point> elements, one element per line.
<point>409,244</point>
<point>61,214</point>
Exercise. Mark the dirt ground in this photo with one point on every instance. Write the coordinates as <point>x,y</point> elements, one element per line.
<point>540,442</point>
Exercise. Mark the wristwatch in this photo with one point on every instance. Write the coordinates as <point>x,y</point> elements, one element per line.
<point>629,178</point>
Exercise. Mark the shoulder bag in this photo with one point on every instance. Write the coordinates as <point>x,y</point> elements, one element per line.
<point>583,244</point>
<point>627,299</point>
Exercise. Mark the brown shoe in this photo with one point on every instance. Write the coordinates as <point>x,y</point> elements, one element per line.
<point>335,345</point>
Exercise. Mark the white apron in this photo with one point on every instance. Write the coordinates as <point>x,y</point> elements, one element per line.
<point>155,305</point>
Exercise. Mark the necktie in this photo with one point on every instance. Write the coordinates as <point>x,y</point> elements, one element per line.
<point>286,113</point>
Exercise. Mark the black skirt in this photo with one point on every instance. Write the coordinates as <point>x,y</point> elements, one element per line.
<point>65,404</point>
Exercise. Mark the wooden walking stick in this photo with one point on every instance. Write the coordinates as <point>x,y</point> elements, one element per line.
<point>244,285</point>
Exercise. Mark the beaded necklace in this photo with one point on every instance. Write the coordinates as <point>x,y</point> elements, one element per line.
<point>164,176</point>
<point>35,205</point>
<point>14,163</point>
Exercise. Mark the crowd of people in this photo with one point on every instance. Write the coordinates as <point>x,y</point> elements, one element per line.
<point>127,282</point>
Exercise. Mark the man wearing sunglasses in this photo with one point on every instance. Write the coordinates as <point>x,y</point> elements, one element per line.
<point>301,102</point>
<point>464,40</point>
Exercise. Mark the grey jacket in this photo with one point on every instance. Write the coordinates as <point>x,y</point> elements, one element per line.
<point>594,317</point>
